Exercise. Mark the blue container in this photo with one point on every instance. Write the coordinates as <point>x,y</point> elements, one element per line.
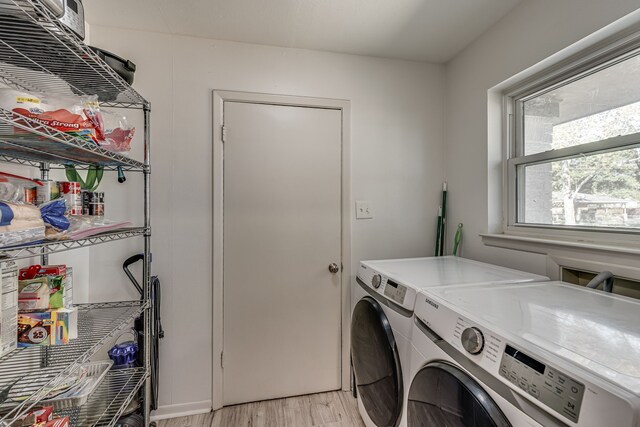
<point>124,355</point>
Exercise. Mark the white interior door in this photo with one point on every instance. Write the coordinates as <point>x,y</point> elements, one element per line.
<point>282,230</point>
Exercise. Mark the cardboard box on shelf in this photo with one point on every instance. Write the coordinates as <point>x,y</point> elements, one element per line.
<point>50,327</point>
<point>66,325</point>
<point>56,422</point>
<point>36,328</point>
<point>8,306</point>
<point>34,294</point>
<point>47,270</point>
<point>68,288</point>
<point>60,281</point>
<point>36,417</point>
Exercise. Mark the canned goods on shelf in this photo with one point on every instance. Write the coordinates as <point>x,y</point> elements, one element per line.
<point>93,203</point>
<point>71,191</point>
<point>96,205</point>
<point>70,187</point>
<point>31,195</point>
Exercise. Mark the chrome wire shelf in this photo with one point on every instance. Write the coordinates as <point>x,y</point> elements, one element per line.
<point>26,141</point>
<point>37,249</point>
<point>43,368</point>
<point>110,400</point>
<point>38,54</point>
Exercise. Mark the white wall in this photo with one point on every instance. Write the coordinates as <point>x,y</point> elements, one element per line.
<point>533,31</point>
<point>404,122</point>
<point>397,152</point>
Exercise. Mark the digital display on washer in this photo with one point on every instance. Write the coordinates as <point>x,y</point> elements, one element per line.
<point>395,291</point>
<point>550,386</point>
<point>527,360</point>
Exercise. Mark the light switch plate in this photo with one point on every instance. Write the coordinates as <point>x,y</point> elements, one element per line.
<point>363,210</point>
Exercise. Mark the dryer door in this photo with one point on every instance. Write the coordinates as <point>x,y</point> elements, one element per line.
<point>376,363</point>
<point>444,395</point>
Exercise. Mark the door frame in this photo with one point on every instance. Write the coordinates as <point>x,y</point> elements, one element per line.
<point>344,106</point>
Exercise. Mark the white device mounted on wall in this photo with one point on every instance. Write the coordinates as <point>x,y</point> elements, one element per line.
<point>69,12</point>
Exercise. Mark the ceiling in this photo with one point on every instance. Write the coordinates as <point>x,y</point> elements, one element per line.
<point>421,30</point>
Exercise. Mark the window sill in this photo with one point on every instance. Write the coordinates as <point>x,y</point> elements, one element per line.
<point>548,244</point>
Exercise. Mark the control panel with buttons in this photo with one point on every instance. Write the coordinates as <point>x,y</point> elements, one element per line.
<point>548,385</point>
<point>395,291</point>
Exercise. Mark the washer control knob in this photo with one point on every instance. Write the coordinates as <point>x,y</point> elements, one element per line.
<point>472,340</point>
<point>376,280</point>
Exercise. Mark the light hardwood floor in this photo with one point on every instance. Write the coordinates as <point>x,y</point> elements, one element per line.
<point>333,409</point>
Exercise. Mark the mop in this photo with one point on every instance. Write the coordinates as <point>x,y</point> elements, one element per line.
<point>442,222</point>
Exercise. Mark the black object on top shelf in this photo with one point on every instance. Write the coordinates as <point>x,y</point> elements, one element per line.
<point>123,67</point>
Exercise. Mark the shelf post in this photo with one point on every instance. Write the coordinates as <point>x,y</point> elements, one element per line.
<point>44,175</point>
<point>44,260</point>
<point>148,314</point>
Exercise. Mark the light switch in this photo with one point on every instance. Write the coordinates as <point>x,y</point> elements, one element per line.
<point>363,210</point>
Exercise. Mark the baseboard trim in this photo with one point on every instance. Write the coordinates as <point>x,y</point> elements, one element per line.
<point>181,410</point>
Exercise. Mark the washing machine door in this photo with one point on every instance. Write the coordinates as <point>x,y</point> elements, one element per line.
<point>444,395</point>
<point>376,363</point>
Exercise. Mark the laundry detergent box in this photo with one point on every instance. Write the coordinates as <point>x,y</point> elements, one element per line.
<point>8,306</point>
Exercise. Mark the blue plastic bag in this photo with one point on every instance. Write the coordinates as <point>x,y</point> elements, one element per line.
<point>53,214</point>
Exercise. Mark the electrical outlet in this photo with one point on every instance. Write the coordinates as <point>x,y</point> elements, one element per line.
<point>363,210</point>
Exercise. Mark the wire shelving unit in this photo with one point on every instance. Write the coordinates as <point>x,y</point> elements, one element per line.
<point>38,54</point>
<point>50,247</point>
<point>31,143</point>
<point>110,400</point>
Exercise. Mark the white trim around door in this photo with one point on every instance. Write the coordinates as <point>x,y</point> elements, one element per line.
<point>219,98</point>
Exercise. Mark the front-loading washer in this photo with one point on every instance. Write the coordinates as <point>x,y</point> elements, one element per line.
<point>550,354</point>
<point>382,314</point>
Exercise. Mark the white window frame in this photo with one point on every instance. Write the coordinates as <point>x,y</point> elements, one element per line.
<point>608,52</point>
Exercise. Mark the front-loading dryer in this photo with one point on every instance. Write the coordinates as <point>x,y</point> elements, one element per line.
<point>446,390</point>
<point>550,354</point>
<point>382,316</point>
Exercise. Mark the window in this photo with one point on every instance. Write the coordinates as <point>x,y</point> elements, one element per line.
<point>574,147</point>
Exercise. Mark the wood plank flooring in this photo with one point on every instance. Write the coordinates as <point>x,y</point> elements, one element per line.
<point>333,409</point>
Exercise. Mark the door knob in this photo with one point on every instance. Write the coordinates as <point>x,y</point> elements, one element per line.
<point>333,268</point>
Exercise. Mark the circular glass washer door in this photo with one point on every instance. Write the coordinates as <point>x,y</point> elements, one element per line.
<point>443,395</point>
<point>376,363</point>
